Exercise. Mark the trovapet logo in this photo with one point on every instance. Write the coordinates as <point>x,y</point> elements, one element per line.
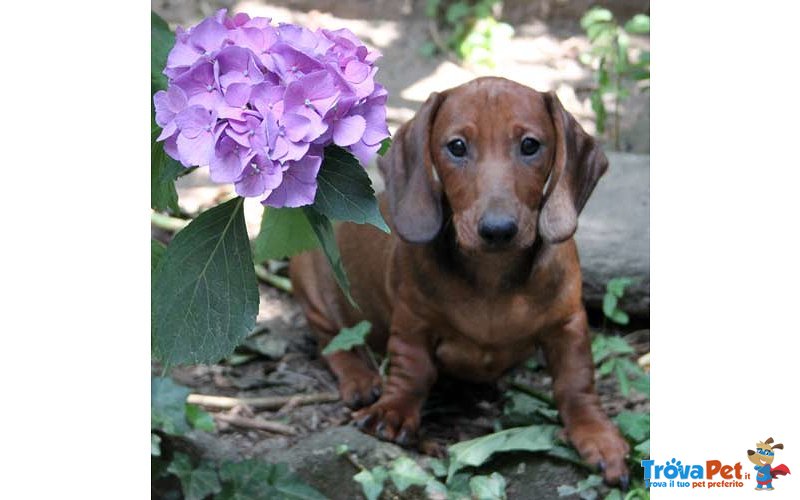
<point>714,474</point>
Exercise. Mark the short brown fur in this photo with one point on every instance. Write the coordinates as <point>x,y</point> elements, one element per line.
<point>442,300</point>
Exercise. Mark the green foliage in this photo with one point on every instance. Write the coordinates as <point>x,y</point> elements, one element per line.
<point>492,487</point>
<point>168,406</point>
<point>347,338</point>
<point>524,409</point>
<point>406,472</point>
<point>196,482</point>
<point>157,250</point>
<point>323,228</point>
<point>615,289</point>
<point>634,426</point>
<point>477,451</point>
<point>284,232</point>
<point>473,32</point>
<point>372,481</point>
<point>612,58</point>
<point>161,41</point>
<point>205,296</point>
<point>345,190</point>
<point>611,356</point>
<point>255,480</point>
<point>199,419</point>
<point>584,489</point>
<point>163,172</point>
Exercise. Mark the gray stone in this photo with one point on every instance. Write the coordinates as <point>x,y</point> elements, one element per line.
<point>614,233</point>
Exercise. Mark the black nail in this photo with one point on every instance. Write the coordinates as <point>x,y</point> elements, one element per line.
<point>379,430</point>
<point>403,439</point>
<point>601,466</point>
<point>376,392</point>
<point>624,482</point>
<point>364,421</point>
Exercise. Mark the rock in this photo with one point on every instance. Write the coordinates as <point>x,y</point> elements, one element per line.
<point>614,233</point>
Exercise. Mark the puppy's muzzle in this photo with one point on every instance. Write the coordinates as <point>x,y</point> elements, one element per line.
<point>497,229</point>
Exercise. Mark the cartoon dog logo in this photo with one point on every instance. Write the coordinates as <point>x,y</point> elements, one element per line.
<point>763,457</point>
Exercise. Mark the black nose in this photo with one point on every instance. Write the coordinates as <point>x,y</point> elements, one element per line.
<point>497,229</point>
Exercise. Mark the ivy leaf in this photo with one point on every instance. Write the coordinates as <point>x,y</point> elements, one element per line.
<point>256,480</point>
<point>633,425</point>
<point>643,448</point>
<point>345,191</point>
<point>438,467</point>
<point>585,488</point>
<point>619,317</point>
<point>205,296</point>
<point>323,228</point>
<point>161,42</point>
<point>199,419</point>
<point>196,482</point>
<point>372,481</point>
<point>347,338</point>
<point>622,378</point>
<point>638,24</point>
<point>435,490</point>
<point>284,232</point>
<point>406,472</point>
<point>476,451</point>
<point>157,250</point>
<point>168,406</point>
<point>488,487</point>
<point>617,286</point>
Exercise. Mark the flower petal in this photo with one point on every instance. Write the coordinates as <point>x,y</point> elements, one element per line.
<point>349,130</point>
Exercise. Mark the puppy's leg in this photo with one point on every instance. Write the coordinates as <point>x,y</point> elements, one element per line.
<point>322,303</point>
<point>569,358</point>
<point>396,415</point>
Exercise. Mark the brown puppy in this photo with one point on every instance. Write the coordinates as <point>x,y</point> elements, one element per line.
<point>484,187</point>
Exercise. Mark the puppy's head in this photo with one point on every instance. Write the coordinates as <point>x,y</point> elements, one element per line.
<point>510,161</point>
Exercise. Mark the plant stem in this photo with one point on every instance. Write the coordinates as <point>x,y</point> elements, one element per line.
<point>616,113</point>
<point>279,282</point>
<point>167,223</point>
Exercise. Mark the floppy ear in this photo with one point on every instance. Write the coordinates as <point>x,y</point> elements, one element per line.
<point>768,441</point>
<point>579,162</point>
<point>414,197</point>
<point>778,446</point>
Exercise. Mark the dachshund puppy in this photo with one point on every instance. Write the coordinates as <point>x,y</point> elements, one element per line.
<point>484,188</point>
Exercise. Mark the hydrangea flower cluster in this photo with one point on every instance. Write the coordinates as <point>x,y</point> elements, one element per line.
<point>258,103</point>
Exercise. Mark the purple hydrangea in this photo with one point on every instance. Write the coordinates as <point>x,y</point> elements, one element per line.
<point>258,103</point>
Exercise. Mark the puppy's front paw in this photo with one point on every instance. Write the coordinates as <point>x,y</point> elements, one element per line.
<point>391,420</point>
<point>360,389</point>
<point>600,444</point>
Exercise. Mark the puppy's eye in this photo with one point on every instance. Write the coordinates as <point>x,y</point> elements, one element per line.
<point>529,146</point>
<point>457,148</point>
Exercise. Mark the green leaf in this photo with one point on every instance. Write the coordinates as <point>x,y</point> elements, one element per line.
<point>633,425</point>
<point>584,488</point>
<point>324,230</point>
<point>205,296</point>
<point>476,451</point>
<point>168,406</point>
<point>196,483</point>
<point>622,378</point>
<point>596,15</point>
<point>385,145</point>
<point>488,487</point>
<point>155,445</point>
<point>638,24</point>
<point>602,74</point>
<point>256,480</point>
<point>609,304</point>
<point>458,486</point>
<point>406,472</point>
<point>614,494</point>
<point>284,232</point>
<point>438,467</point>
<point>456,12</point>
<point>157,250</point>
<point>372,481</point>
<point>619,317</point>
<point>345,191</point>
<point>617,286</point>
<point>163,172</point>
<point>161,42</point>
<point>523,409</point>
<point>604,346</point>
<point>643,448</point>
<point>435,490</point>
<point>595,31</point>
<point>199,419</point>
<point>347,338</point>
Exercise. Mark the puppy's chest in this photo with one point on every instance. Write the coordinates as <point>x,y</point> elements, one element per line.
<point>480,339</point>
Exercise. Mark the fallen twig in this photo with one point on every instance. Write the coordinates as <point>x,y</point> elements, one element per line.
<point>264,403</point>
<point>257,423</point>
<point>273,279</point>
